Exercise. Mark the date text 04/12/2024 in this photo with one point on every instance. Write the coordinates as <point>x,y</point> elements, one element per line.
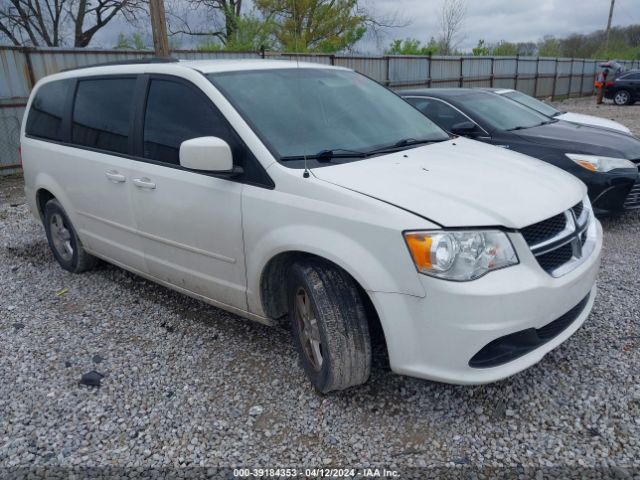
<point>315,472</point>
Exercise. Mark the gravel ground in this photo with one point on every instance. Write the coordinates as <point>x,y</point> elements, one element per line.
<point>187,385</point>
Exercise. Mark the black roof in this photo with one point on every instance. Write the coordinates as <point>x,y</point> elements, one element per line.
<point>132,61</point>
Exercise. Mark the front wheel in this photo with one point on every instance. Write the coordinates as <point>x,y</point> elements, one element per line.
<point>622,97</point>
<point>329,326</point>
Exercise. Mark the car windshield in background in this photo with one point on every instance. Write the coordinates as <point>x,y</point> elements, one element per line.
<point>501,113</point>
<point>310,112</point>
<point>534,103</point>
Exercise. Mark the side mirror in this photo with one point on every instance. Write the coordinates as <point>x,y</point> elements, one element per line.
<point>464,129</point>
<point>211,154</point>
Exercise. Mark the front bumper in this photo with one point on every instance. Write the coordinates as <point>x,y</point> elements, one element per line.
<point>436,337</point>
<point>609,191</point>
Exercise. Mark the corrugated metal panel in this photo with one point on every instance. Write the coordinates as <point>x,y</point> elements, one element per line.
<point>445,68</point>
<point>476,67</point>
<point>13,74</point>
<point>10,120</point>
<point>197,55</point>
<point>408,70</point>
<point>562,87</point>
<point>545,87</point>
<point>564,66</point>
<point>373,67</point>
<point>504,66</point>
<point>504,83</point>
<point>527,65</point>
<point>527,85</point>
<point>547,66</point>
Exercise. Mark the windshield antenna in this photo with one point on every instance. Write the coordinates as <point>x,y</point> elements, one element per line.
<point>296,33</point>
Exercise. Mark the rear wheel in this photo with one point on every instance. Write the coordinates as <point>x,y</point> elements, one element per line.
<point>329,326</point>
<point>622,97</point>
<point>63,240</point>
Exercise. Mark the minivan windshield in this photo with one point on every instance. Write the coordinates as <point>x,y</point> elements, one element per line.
<point>537,105</point>
<point>501,113</point>
<point>311,111</point>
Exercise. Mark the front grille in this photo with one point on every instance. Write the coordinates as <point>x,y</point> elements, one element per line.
<point>541,231</point>
<point>559,240</point>
<point>515,345</point>
<point>555,258</point>
<point>633,198</point>
<point>577,210</point>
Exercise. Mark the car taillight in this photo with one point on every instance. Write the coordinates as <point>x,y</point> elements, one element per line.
<point>610,84</point>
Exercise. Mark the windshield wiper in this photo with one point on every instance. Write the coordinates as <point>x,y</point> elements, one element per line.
<point>519,127</point>
<point>405,142</point>
<point>327,155</point>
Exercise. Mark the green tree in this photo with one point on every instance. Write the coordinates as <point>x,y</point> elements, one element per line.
<point>481,50</point>
<point>504,49</point>
<point>326,26</point>
<point>251,34</point>
<point>411,46</point>
<point>135,42</point>
<point>549,46</point>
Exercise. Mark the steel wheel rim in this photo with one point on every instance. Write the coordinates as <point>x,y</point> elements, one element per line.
<point>622,97</point>
<point>61,237</point>
<point>308,329</point>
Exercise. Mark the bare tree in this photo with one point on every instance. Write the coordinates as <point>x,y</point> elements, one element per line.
<point>52,22</point>
<point>451,20</point>
<point>221,19</point>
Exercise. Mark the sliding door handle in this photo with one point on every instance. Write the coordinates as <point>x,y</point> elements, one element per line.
<point>144,182</point>
<point>115,177</point>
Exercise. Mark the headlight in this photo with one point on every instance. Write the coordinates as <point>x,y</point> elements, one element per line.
<point>600,164</point>
<point>460,255</point>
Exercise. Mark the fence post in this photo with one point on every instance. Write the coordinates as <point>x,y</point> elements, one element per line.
<point>429,71</point>
<point>31,78</point>
<point>493,71</point>
<point>555,80</point>
<point>582,79</point>
<point>461,81</point>
<point>515,86</point>
<point>570,78</point>
<point>332,59</point>
<point>535,78</point>
<point>387,81</point>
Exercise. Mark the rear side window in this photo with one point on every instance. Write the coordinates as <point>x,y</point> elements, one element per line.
<point>175,113</point>
<point>102,113</point>
<point>47,111</point>
<point>441,113</point>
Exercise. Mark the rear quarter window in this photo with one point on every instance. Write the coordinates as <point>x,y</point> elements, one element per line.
<point>47,111</point>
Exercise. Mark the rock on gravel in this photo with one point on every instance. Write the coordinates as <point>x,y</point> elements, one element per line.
<point>187,385</point>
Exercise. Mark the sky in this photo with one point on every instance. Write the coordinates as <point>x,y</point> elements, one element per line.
<point>491,20</point>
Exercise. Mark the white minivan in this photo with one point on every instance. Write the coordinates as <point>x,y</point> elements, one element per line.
<point>310,194</point>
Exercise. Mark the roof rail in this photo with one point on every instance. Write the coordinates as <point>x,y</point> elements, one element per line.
<point>133,61</point>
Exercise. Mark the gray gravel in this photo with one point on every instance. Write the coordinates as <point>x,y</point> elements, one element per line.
<point>186,384</point>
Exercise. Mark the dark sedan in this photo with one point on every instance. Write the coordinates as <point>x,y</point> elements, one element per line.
<point>624,89</point>
<point>607,162</point>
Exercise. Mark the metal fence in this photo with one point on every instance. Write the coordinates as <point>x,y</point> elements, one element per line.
<point>21,68</point>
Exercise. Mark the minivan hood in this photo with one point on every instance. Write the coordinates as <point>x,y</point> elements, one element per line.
<point>574,138</point>
<point>462,183</point>
<point>593,121</point>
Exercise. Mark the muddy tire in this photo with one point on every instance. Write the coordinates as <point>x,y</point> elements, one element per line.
<point>63,240</point>
<point>329,324</point>
<point>622,97</point>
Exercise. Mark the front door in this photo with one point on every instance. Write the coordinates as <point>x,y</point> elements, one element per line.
<point>190,222</point>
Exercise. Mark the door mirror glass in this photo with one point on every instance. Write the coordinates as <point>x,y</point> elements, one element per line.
<point>464,129</point>
<point>211,154</point>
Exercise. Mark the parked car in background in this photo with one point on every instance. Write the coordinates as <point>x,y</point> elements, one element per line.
<point>606,161</point>
<point>552,112</point>
<point>624,89</point>
<point>316,196</point>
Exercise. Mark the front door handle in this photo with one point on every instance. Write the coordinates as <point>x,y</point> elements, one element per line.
<point>115,177</point>
<point>144,182</point>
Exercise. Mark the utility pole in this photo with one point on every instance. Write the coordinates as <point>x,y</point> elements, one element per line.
<point>606,41</point>
<point>159,28</point>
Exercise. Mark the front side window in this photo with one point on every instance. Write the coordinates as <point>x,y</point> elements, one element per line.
<point>102,113</point>
<point>299,112</point>
<point>501,113</point>
<point>177,112</point>
<point>444,115</point>
<point>47,111</point>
